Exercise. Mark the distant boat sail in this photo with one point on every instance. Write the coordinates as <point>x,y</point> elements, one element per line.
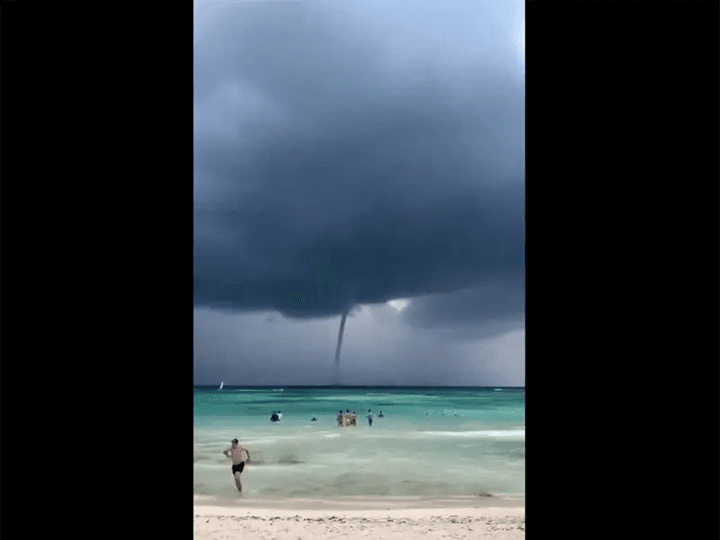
<point>221,385</point>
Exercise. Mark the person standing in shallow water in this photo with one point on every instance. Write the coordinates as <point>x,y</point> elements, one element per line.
<point>238,463</point>
<point>370,417</point>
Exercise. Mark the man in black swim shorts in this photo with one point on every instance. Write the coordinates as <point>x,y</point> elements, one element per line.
<point>238,463</point>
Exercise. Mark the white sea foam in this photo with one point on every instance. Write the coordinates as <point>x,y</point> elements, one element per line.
<point>509,433</point>
<point>262,441</point>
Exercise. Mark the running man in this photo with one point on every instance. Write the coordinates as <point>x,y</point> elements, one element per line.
<point>238,463</point>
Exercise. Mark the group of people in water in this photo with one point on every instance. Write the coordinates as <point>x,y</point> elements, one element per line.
<point>348,418</point>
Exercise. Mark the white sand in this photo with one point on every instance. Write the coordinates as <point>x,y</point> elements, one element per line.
<point>387,518</point>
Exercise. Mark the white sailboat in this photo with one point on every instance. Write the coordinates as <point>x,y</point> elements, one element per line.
<point>221,385</point>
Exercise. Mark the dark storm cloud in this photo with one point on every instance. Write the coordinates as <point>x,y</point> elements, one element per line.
<point>339,160</point>
<point>478,313</point>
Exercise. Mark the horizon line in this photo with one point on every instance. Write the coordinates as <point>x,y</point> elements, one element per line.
<point>354,386</point>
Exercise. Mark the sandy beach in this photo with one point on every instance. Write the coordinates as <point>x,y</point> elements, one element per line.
<point>386,518</point>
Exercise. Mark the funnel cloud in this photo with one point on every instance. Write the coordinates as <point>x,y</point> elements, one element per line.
<point>339,345</point>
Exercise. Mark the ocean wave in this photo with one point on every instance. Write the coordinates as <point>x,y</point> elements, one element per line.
<point>509,433</point>
<point>396,399</point>
<point>264,441</point>
<point>216,466</point>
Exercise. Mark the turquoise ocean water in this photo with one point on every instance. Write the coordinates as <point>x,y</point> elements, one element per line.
<point>432,441</point>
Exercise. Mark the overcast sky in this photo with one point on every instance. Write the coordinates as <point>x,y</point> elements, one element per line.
<point>362,156</point>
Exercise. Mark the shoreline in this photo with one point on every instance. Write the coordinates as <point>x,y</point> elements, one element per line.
<point>206,503</point>
<point>412,518</point>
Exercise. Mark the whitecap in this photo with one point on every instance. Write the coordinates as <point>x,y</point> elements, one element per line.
<point>512,433</point>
